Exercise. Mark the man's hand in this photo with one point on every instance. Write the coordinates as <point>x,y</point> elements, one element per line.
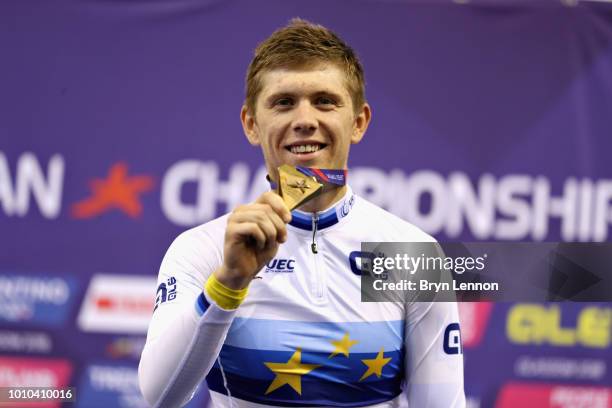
<point>254,232</point>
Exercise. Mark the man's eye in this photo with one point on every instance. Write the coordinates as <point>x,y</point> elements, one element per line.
<point>284,102</point>
<point>323,100</point>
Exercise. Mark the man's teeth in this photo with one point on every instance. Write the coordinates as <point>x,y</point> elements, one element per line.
<point>305,148</point>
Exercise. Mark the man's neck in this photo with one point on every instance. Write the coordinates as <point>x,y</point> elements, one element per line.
<point>324,201</point>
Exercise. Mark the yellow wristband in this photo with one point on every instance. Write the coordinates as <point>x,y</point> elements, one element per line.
<point>223,296</point>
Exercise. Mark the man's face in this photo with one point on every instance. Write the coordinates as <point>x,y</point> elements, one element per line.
<point>305,117</point>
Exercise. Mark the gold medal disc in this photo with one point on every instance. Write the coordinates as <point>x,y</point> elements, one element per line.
<point>296,188</point>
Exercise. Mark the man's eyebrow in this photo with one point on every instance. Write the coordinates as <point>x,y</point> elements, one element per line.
<point>333,94</point>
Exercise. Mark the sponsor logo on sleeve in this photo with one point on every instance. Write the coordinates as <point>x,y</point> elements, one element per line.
<point>452,339</point>
<point>166,292</point>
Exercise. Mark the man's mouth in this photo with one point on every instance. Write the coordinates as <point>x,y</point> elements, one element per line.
<point>305,148</point>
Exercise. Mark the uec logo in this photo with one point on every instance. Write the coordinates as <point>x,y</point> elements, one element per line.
<point>281,265</point>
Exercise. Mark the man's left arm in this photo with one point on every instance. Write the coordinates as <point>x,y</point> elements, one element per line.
<point>434,356</point>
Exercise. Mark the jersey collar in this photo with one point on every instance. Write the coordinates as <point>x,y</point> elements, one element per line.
<point>326,218</point>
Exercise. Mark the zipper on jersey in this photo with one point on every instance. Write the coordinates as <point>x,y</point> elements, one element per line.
<point>315,225</point>
<point>318,284</point>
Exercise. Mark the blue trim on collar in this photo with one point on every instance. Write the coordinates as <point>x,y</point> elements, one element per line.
<point>327,218</point>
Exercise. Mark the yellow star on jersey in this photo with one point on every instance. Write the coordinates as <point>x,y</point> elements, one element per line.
<point>343,346</point>
<point>290,372</point>
<point>375,365</point>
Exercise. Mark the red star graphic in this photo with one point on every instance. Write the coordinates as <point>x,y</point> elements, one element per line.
<point>117,191</point>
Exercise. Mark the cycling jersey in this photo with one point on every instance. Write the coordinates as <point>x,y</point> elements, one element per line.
<point>302,337</point>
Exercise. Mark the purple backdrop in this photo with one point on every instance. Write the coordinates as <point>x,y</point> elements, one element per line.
<point>119,128</point>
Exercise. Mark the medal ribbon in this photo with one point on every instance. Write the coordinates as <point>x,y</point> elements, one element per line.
<point>325,176</point>
<point>335,177</point>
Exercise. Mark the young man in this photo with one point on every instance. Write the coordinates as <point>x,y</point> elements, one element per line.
<point>298,335</point>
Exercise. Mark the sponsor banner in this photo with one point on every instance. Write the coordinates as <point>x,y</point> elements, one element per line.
<point>117,304</point>
<point>37,300</point>
<point>560,368</point>
<point>554,325</point>
<point>109,385</point>
<point>474,318</point>
<point>125,347</point>
<point>25,342</point>
<point>506,207</point>
<point>34,372</point>
<point>553,396</point>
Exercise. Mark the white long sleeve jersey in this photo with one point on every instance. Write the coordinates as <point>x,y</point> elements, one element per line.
<point>302,337</point>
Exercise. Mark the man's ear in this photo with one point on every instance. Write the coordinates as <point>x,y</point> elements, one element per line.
<point>249,126</point>
<point>361,123</point>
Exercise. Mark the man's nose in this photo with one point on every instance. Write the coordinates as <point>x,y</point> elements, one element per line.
<point>305,120</point>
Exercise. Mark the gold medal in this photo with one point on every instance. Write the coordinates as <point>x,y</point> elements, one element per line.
<point>296,188</point>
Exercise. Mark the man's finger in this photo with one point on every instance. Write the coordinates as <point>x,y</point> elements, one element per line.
<point>277,204</point>
<point>259,214</point>
<point>279,224</point>
<point>244,230</point>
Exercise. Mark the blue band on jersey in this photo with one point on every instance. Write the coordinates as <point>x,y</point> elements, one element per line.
<point>201,304</point>
<point>337,368</point>
<point>336,382</point>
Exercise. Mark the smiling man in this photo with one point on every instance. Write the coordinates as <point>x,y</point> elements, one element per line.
<point>298,335</point>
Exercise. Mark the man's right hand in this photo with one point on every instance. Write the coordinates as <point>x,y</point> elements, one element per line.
<point>252,237</point>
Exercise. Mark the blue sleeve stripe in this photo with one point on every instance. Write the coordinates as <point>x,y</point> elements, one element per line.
<point>201,304</point>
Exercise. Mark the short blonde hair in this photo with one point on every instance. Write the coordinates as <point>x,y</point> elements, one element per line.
<point>300,44</point>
